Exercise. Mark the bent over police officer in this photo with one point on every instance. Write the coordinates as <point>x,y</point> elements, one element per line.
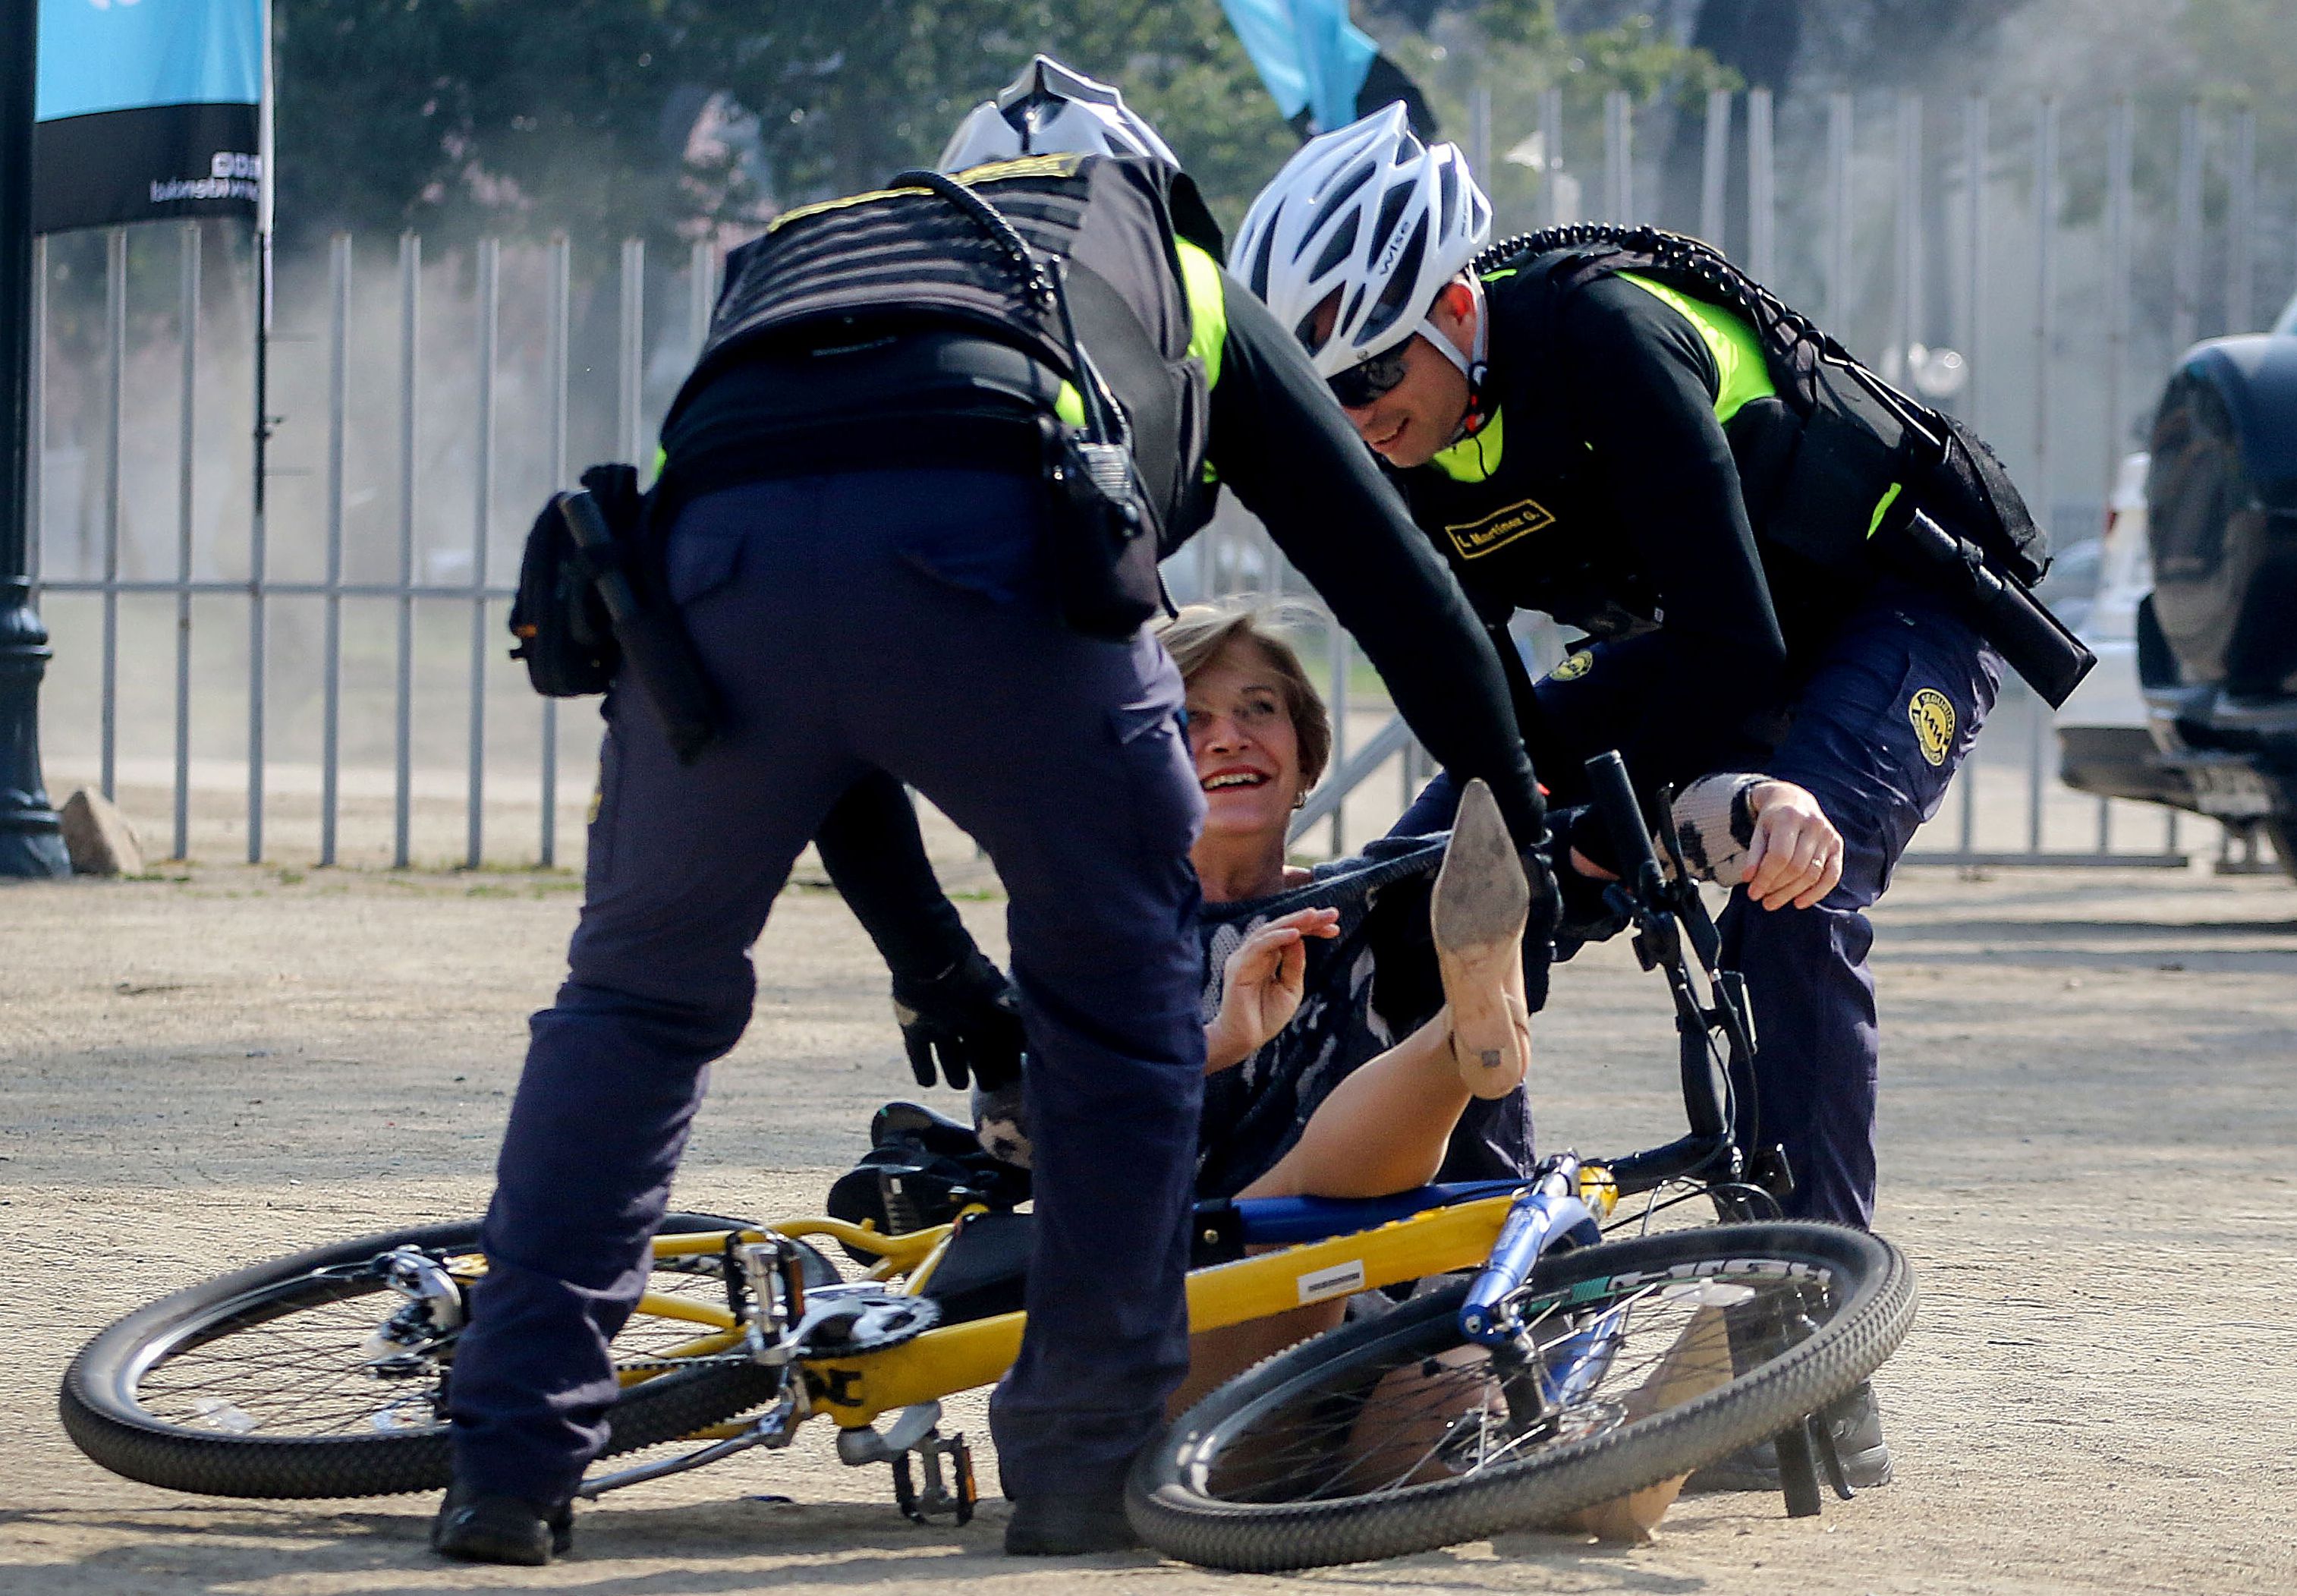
<point>1783,566</point>
<point>857,531</point>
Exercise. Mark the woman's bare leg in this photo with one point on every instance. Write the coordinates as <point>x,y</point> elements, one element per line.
<point>1383,1129</point>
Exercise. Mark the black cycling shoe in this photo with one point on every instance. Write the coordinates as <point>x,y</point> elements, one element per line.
<point>1856,1423</point>
<point>1068,1526</point>
<point>501,1529</point>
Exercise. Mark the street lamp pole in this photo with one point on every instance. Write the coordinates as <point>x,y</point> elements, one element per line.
<point>31,841</point>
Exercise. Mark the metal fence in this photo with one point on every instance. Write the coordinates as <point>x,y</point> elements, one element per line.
<point>421,397</point>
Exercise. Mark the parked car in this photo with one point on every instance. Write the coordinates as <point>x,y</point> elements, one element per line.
<point>2211,638</point>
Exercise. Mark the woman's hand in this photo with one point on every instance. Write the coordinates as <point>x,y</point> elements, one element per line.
<point>1262,985</point>
<point>1796,855</point>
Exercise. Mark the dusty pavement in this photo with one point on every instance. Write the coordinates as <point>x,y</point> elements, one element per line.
<point>2090,1103</point>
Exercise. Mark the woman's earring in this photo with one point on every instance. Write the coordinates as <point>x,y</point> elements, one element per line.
<point>1300,800</point>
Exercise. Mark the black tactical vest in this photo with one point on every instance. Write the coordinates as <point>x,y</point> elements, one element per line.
<point>878,262</point>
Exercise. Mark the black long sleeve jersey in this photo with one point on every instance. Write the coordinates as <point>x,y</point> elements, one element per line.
<point>1605,489</point>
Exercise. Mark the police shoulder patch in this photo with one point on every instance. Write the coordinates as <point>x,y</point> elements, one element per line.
<point>1476,539</point>
<point>1932,715</point>
<point>1574,666</point>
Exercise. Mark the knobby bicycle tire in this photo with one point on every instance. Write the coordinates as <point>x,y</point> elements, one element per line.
<point>1210,1491</point>
<point>103,1415</point>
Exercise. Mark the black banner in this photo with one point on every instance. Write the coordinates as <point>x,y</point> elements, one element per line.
<point>151,164</point>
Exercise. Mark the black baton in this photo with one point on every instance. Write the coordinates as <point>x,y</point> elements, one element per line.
<point>653,638</point>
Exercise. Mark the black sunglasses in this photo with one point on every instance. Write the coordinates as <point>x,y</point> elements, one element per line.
<point>1368,379</point>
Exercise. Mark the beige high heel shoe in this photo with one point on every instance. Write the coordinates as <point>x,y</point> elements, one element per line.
<point>1478,912</point>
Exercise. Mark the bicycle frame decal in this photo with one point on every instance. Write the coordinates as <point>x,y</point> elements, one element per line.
<point>1341,1279</point>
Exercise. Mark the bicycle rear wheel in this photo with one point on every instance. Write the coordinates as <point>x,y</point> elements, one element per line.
<point>271,1382</point>
<point>1641,1361</point>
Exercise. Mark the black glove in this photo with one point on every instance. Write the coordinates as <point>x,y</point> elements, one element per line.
<point>1539,927</point>
<point>967,1019</point>
<point>1584,911</point>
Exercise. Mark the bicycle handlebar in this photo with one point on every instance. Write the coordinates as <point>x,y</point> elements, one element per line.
<point>1623,818</point>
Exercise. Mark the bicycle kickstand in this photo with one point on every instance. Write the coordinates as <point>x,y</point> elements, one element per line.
<point>1796,1445</point>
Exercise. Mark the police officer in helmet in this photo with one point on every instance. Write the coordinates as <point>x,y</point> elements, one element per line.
<point>1604,444</point>
<point>867,554</point>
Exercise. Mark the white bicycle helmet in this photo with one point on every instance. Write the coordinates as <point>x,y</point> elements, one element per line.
<point>1370,214</point>
<point>1049,109</point>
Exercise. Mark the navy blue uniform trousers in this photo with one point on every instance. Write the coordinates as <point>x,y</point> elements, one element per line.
<point>1879,728</point>
<point>893,620</point>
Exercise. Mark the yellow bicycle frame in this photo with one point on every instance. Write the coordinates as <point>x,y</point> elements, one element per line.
<point>855,1390</point>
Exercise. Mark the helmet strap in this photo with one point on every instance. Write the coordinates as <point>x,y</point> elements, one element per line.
<point>1475,366</point>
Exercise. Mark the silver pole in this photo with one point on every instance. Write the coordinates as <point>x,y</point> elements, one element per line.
<point>1337,639</point>
<point>2120,155</point>
<point>35,400</point>
<point>1974,263</point>
<point>1839,132</point>
<point>115,387</point>
<point>258,556</point>
<point>701,291</point>
<point>482,526</point>
<point>628,370</point>
<point>1907,324</point>
<point>339,405</point>
<point>410,312</point>
<point>1762,188</point>
<point>1714,167</point>
<point>2241,224</point>
<point>2046,299</point>
<point>1966,823</point>
<point>1618,159</point>
<point>2185,246</point>
<point>1479,131</point>
<point>554,359</point>
<point>2038,720</point>
<point>187,322</point>
<point>1550,144</point>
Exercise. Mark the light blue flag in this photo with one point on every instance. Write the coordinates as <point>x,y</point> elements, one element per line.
<point>98,55</point>
<point>1308,53</point>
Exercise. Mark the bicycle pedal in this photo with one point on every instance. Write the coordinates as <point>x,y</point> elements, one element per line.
<point>949,1485</point>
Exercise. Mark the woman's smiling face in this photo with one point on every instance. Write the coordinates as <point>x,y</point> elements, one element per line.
<point>1245,746</point>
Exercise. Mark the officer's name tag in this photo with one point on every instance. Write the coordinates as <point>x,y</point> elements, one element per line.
<point>1476,539</point>
<point>1339,1280</point>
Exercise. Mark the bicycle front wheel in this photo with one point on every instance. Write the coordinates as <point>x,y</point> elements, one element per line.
<point>1638,1362</point>
<point>298,1378</point>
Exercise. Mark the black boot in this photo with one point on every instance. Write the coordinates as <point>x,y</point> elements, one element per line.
<point>1856,1423</point>
<point>1068,1526</point>
<point>500,1529</point>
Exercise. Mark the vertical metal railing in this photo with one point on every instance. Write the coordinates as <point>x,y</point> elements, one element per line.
<point>630,358</point>
<point>489,290</point>
<point>1762,188</point>
<point>1555,207</point>
<point>554,375</point>
<point>331,667</point>
<point>1839,132</point>
<point>1619,158</point>
<point>2185,236</point>
<point>411,320</point>
<point>1906,268</point>
<point>1715,168</point>
<point>188,327</point>
<point>115,442</point>
<point>2241,222</point>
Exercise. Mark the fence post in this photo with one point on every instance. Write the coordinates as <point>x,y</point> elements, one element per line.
<point>115,387</point>
<point>2241,224</point>
<point>339,394</point>
<point>258,634</point>
<point>1715,168</point>
<point>36,422</point>
<point>1840,133</point>
<point>410,314</point>
<point>1619,158</point>
<point>1550,144</point>
<point>489,286</point>
<point>2186,237</point>
<point>554,359</point>
<point>2046,295</point>
<point>630,374</point>
<point>1907,329</point>
<point>187,324</point>
<point>1479,131</point>
<point>1974,263</point>
<point>2118,156</point>
<point>1762,188</point>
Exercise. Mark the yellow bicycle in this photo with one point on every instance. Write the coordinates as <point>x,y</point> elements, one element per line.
<point>1537,1367</point>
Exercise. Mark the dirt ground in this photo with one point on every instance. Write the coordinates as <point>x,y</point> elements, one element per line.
<point>2088,1113</point>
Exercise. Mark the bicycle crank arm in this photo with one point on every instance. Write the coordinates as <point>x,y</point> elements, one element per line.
<point>773,1429</point>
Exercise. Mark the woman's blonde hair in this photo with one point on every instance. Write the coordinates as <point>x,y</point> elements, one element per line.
<point>1200,632</point>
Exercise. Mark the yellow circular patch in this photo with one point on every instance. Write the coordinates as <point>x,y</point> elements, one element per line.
<point>1934,720</point>
<point>1574,666</point>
